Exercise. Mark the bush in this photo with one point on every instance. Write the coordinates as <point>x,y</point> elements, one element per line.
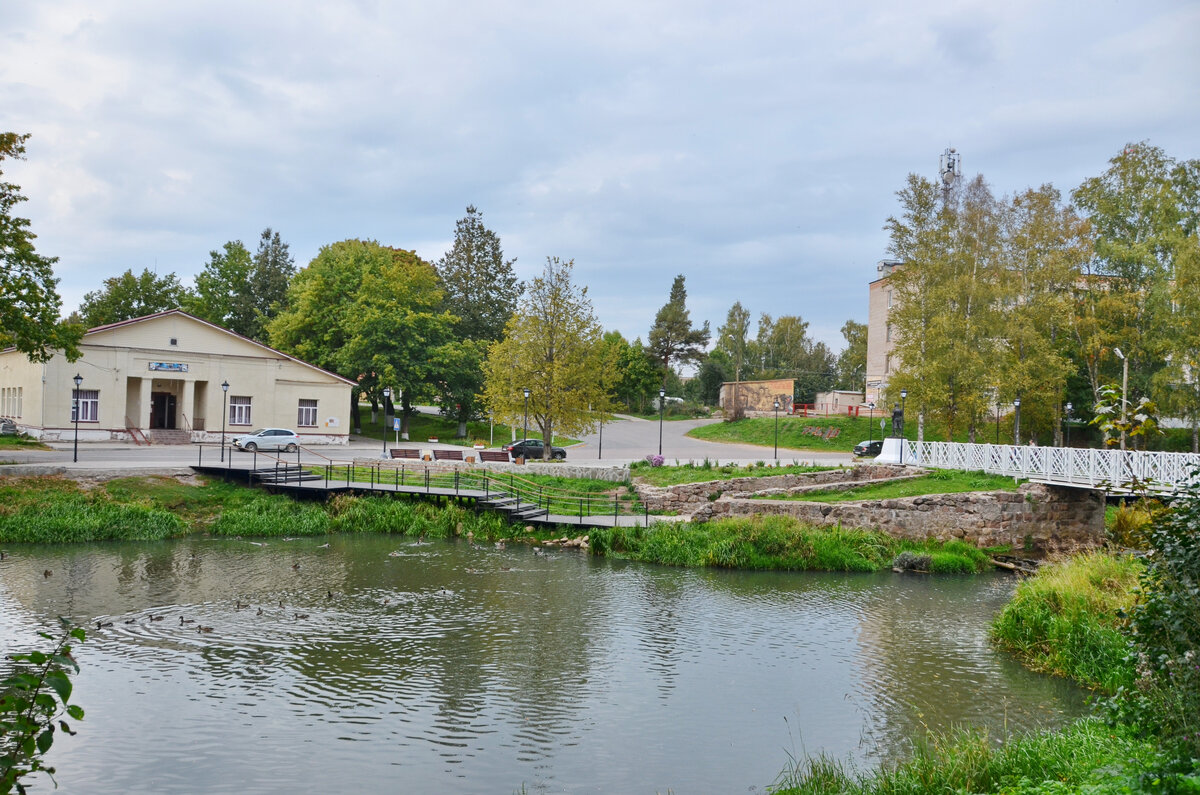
<point>267,516</point>
<point>70,518</point>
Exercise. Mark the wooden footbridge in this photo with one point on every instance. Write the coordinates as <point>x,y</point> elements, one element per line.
<point>520,500</point>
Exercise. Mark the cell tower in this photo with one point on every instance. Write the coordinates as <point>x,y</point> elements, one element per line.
<point>950,168</point>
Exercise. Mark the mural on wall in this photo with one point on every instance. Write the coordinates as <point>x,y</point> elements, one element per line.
<point>758,395</point>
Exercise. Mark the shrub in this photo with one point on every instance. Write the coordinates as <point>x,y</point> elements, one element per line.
<point>268,515</point>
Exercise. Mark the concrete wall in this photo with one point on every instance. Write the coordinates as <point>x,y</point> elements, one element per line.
<point>879,299</point>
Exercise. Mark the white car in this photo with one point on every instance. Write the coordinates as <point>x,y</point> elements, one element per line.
<point>268,439</point>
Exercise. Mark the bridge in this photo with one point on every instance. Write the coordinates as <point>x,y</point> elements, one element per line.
<point>1114,471</point>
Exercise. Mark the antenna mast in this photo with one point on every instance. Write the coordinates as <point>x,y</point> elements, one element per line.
<point>950,169</point>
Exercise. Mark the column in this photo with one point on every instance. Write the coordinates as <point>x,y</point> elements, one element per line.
<point>143,421</point>
<point>188,403</point>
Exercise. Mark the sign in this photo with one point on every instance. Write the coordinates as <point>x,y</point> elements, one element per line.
<point>395,423</point>
<point>170,367</point>
<point>331,422</point>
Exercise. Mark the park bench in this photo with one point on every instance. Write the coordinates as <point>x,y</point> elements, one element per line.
<point>403,452</point>
<point>493,456</point>
<point>447,455</point>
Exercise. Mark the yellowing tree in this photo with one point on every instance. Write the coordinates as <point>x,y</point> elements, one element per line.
<point>556,351</point>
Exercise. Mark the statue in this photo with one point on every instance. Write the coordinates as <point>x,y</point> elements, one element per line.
<point>897,420</point>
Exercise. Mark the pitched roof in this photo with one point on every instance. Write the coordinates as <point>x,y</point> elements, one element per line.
<point>181,313</point>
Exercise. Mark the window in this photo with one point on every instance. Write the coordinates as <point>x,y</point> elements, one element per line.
<point>889,299</point>
<point>887,365</point>
<point>307,414</point>
<point>87,403</point>
<point>889,332</point>
<point>239,410</point>
<point>10,401</point>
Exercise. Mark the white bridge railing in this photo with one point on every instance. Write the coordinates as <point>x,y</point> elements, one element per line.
<point>1112,470</point>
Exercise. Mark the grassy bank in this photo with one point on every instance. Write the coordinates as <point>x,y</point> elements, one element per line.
<point>796,433</point>
<point>1068,621</point>
<point>423,427</point>
<point>706,471</point>
<point>776,542</point>
<point>944,481</point>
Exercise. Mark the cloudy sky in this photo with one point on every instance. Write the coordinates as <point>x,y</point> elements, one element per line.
<point>754,147</point>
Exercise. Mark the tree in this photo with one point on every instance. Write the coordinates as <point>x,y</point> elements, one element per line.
<point>637,377</point>
<point>555,351</point>
<point>480,286</point>
<point>852,362</point>
<point>672,338</point>
<point>273,270</point>
<point>29,300</point>
<point>787,351</point>
<point>733,340</point>
<point>481,290</point>
<point>127,296</point>
<point>224,295</point>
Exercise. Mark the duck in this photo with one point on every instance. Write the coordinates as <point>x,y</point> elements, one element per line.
<point>203,629</point>
<point>47,573</point>
<point>260,612</point>
<point>131,621</point>
<point>157,618</point>
<point>301,616</point>
<point>103,624</point>
<point>295,567</point>
<point>183,620</point>
<point>499,545</point>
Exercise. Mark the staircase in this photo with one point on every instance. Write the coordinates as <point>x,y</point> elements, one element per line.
<point>176,436</point>
<point>284,474</point>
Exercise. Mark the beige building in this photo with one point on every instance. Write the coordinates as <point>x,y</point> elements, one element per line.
<point>881,361</point>
<point>161,376</point>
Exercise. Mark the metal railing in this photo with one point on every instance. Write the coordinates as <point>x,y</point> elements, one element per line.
<point>1111,470</point>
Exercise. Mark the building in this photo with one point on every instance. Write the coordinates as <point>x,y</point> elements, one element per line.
<point>161,377</point>
<point>881,361</point>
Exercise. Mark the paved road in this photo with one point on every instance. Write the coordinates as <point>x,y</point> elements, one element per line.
<point>627,440</point>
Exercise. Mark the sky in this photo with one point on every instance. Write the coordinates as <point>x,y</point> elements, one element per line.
<point>754,147</point>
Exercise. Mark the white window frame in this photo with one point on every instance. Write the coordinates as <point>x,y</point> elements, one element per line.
<point>306,410</point>
<point>87,403</point>
<point>240,409</point>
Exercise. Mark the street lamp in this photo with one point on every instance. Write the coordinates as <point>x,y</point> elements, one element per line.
<point>662,404</point>
<point>776,429</point>
<point>1124,391</point>
<point>387,394</point>
<point>78,379</point>
<point>1068,424</point>
<point>871,423</point>
<point>997,417</point>
<point>224,414</point>
<point>526,436</point>
<point>903,398</point>
<point>1017,421</point>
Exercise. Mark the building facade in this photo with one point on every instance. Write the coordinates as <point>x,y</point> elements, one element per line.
<point>758,396</point>
<point>881,359</point>
<point>163,374</point>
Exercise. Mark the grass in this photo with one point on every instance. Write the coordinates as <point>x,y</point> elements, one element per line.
<point>945,481</point>
<point>423,426</point>
<point>21,442</point>
<point>62,512</point>
<point>773,542</point>
<point>699,473</point>
<point>1087,756</point>
<point>852,430</point>
<point>1067,620</point>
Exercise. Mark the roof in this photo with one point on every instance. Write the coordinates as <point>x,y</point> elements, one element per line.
<point>180,312</point>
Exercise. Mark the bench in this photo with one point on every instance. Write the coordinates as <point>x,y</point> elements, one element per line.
<point>402,452</point>
<point>493,456</point>
<point>447,455</point>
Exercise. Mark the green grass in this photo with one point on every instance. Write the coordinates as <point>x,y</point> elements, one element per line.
<point>1067,620</point>
<point>423,426</point>
<point>761,431</point>
<point>945,481</point>
<point>21,442</point>
<point>62,512</point>
<point>699,473</point>
<point>775,543</point>
<point>1086,756</point>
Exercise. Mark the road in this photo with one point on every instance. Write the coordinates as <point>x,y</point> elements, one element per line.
<point>627,440</point>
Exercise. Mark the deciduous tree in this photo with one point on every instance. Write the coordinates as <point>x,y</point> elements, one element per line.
<point>127,296</point>
<point>556,351</point>
<point>29,300</point>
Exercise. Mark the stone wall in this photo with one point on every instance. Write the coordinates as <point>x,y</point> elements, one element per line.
<point>1036,519</point>
<point>687,497</point>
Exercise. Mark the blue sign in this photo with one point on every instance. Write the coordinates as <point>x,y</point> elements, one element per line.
<point>170,367</point>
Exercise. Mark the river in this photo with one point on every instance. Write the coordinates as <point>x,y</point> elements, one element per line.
<point>385,664</point>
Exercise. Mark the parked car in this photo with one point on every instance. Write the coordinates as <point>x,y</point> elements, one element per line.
<point>532,448</point>
<point>868,449</point>
<point>268,439</point>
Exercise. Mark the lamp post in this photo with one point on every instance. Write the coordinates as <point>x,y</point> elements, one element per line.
<point>78,379</point>
<point>224,414</point>
<point>387,394</point>
<point>1017,421</point>
<point>871,423</point>
<point>526,435</point>
<point>1067,423</point>
<point>776,429</point>
<point>600,451</point>
<point>662,404</point>
<point>997,416</point>
<point>903,399</point>
<point>1124,391</point>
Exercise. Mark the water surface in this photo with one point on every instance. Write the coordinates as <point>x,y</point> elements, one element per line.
<point>382,664</point>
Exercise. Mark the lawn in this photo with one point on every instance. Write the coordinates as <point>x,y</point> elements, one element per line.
<point>423,426</point>
<point>944,481</point>
<point>850,431</point>
<point>700,473</point>
<point>21,442</point>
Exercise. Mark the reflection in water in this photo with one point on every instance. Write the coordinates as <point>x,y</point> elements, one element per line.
<point>384,664</point>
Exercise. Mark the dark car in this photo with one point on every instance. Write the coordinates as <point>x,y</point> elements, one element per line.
<point>868,449</point>
<point>532,448</point>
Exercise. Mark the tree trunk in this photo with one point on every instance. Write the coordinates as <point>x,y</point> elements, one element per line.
<point>921,425</point>
<point>355,417</point>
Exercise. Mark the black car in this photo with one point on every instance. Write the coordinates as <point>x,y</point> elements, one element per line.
<point>868,449</point>
<point>532,448</point>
